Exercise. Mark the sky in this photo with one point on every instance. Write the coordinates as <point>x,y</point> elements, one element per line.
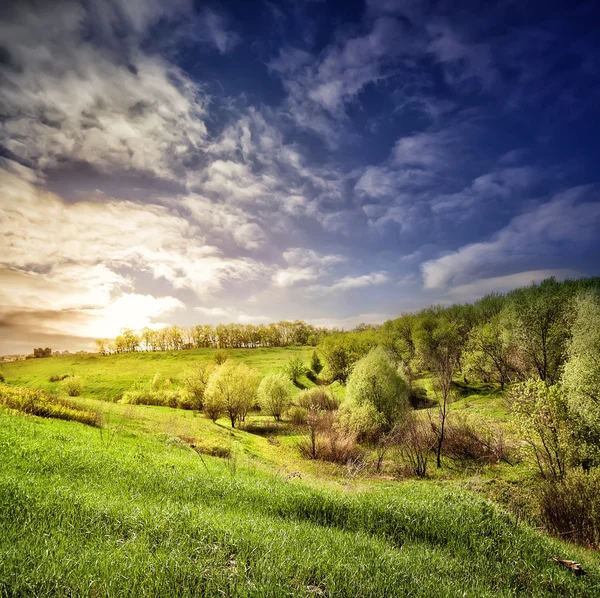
<point>192,162</point>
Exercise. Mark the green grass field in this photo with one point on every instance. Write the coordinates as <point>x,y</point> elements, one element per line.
<point>131,509</point>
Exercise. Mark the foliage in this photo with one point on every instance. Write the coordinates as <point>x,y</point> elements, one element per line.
<point>341,351</point>
<point>274,394</point>
<point>376,384</point>
<point>490,353</point>
<point>315,363</point>
<point>231,389</point>
<point>220,356</point>
<point>294,368</point>
<point>73,385</point>
<point>581,377</point>
<point>569,506</point>
<point>1,377</point>
<point>36,402</point>
<point>542,416</point>
<point>194,382</point>
<point>540,320</point>
<point>318,398</point>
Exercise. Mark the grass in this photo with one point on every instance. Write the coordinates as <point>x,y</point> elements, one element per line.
<point>142,515</point>
<point>108,377</point>
<point>164,502</point>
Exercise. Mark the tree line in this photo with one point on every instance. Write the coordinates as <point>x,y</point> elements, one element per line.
<point>221,336</point>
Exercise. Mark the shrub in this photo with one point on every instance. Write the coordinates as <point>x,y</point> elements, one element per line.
<point>220,356</point>
<point>570,507</point>
<point>157,381</point>
<point>73,385</point>
<point>326,441</point>
<point>297,415</point>
<point>315,363</point>
<point>465,442</point>
<point>294,369</point>
<point>158,398</point>
<point>274,394</point>
<point>318,398</point>
<point>416,441</point>
<point>36,402</point>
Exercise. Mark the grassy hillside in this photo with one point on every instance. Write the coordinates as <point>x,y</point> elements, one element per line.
<point>163,502</point>
<point>87,513</point>
<point>107,377</point>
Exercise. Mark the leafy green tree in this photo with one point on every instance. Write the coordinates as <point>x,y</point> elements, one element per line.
<point>376,383</point>
<point>490,352</point>
<point>581,376</point>
<point>294,368</point>
<point>274,394</point>
<point>231,389</point>
<point>540,316</point>
<point>195,381</point>
<point>315,363</point>
<point>542,416</point>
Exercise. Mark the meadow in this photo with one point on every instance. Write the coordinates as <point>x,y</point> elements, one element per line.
<point>162,502</point>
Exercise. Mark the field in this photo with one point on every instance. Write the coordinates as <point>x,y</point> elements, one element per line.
<point>164,502</point>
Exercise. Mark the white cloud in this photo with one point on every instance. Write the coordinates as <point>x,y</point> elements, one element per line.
<point>38,229</point>
<point>66,98</point>
<point>303,265</point>
<point>572,216</point>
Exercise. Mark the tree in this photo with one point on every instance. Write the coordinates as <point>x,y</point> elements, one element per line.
<point>540,317</point>
<point>490,353</point>
<point>315,363</point>
<point>542,416</point>
<point>195,381</point>
<point>274,394</point>
<point>231,389</point>
<point>376,382</point>
<point>294,369</point>
<point>439,345</point>
<point>581,376</point>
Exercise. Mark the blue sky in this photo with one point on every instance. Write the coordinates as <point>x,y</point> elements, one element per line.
<point>338,162</point>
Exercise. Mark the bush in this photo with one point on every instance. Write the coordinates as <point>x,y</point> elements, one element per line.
<point>231,389</point>
<point>72,385</point>
<point>325,441</point>
<point>158,398</point>
<point>294,369</point>
<point>315,364</point>
<point>220,356</point>
<point>36,402</point>
<point>416,441</point>
<point>297,415</point>
<point>465,442</point>
<point>571,507</point>
<point>318,398</point>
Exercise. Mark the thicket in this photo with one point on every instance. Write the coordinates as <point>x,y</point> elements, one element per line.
<point>35,402</point>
